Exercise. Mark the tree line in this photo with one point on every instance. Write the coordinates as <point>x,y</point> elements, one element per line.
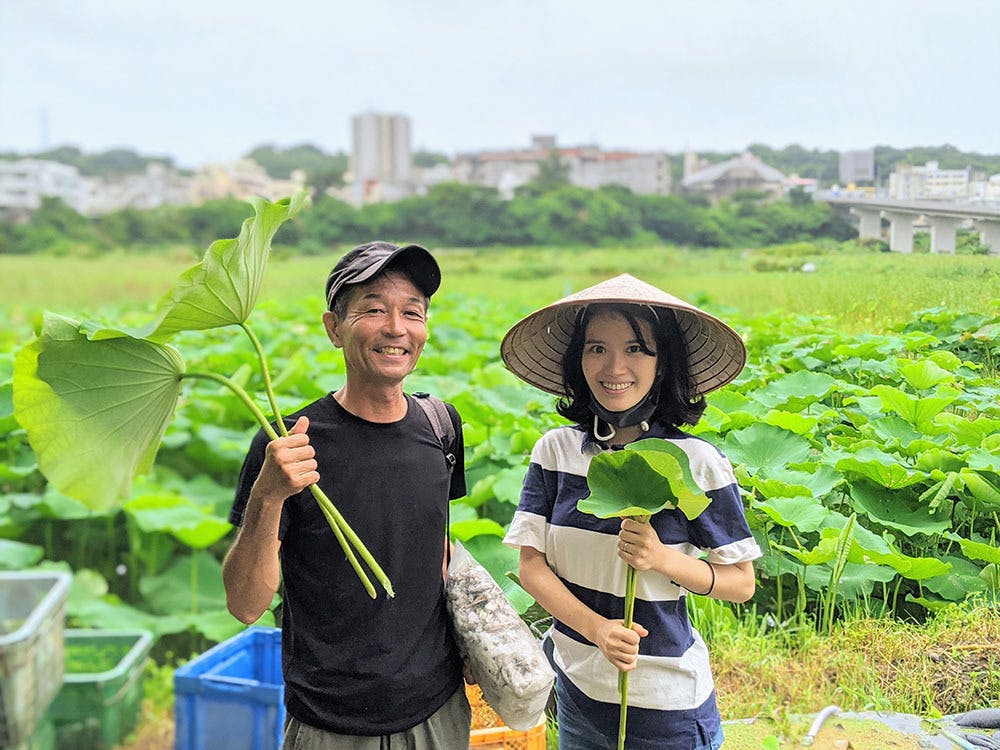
<point>543,212</point>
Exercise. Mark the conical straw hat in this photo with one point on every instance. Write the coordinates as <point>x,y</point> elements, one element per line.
<point>533,349</point>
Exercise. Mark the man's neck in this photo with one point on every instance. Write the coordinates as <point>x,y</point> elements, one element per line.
<point>373,404</point>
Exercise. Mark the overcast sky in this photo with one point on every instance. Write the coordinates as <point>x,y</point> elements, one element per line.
<point>207,80</point>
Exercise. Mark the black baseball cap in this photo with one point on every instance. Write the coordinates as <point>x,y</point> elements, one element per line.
<point>366,261</point>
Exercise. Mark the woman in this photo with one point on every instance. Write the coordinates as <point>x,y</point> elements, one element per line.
<point>630,362</point>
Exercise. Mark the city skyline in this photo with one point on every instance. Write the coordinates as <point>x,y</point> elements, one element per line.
<point>206,82</point>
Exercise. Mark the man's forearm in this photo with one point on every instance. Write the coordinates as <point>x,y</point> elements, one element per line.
<point>251,571</point>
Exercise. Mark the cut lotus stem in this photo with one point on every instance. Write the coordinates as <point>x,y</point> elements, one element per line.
<point>630,581</point>
<point>324,505</point>
<point>355,540</point>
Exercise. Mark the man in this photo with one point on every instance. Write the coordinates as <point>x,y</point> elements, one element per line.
<point>360,673</point>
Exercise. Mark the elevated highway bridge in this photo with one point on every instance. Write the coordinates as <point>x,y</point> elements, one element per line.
<point>943,217</point>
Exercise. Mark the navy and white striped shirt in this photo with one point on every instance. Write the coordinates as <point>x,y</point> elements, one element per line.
<point>671,691</point>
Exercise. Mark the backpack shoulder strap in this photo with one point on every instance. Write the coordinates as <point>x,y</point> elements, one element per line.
<point>444,429</point>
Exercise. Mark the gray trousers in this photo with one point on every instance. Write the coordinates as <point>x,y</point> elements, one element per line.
<point>446,729</point>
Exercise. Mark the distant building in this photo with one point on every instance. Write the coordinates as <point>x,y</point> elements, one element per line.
<point>158,186</point>
<point>985,190</point>
<point>241,179</point>
<point>857,166</point>
<point>745,172</point>
<point>381,160</point>
<point>23,184</point>
<point>929,182</point>
<point>645,173</point>
<point>793,181</point>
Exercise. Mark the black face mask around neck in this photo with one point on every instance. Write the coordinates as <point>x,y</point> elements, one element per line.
<point>636,415</point>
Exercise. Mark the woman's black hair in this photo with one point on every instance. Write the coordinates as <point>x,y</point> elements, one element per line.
<point>677,404</point>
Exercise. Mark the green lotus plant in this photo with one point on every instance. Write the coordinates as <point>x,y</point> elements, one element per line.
<point>638,482</point>
<point>95,401</point>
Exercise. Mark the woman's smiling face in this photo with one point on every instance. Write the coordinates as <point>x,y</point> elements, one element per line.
<point>616,365</point>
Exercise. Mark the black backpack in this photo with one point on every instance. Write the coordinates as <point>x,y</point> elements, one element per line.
<point>444,429</point>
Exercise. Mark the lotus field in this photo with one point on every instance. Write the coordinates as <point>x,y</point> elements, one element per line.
<point>870,460</point>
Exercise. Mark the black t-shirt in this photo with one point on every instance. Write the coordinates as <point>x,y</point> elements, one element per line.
<point>352,664</point>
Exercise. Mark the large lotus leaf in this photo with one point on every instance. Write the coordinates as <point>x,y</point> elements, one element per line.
<point>862,409</point>
<point>823,552</point>
<point>465,530</point>
<point>800,424</point>
<point>192,584</point>
<point>925,374</point>
<point>191,524</point>
<point>856,581</point>
<point>796,391</point>
<point>982,489</point>
<point>770,488</point>
<point>622,483</point>
<point>944,359</point>
<point>863,346</point>
<point>893,430</point>
<point>818,482</point>
<point>507,487</point>
<point>898,510</point>
<point>728,401</point>
<point>989,333</point>
<point>986,458</point>
<point>963,579</point>
<point>969,432</point>
<point>671,461</point>
<point>804,513</point>
<point>94,411</point>
<point>940,459</point>
<point>976,550</point>
<point>915,410</point>
<point>16,555</point>
<point>880,467</point>
<point>762,446</point>
<point>106,612</point>
<point>7,421</point>
<point>646,477</point>
<point>773,564</point>
<point>868,547</point>
<point>713,420</point>
<point>914,568</point>
<point>222,289</point>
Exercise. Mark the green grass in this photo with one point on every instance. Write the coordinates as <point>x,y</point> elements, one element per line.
<point>861,291</point>
<point>949,664</point>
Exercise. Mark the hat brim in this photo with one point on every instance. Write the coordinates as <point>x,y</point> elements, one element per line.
<point>533,349</point>
<point>416,261</point>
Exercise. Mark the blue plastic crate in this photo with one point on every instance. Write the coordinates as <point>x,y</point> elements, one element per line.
<point>232,697</point>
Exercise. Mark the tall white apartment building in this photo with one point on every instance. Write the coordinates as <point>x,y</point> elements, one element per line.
<point>381,159</point>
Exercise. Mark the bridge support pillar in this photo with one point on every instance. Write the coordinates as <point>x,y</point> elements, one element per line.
<point>989,234</point>
<point>900,231</point>
<point>869,223</point>
<point>942,233</point>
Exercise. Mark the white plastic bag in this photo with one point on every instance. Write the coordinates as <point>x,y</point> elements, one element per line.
<point>506,659</point>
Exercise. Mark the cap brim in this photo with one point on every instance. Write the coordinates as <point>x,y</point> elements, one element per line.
<point>533,349</point>
<point>416,261</point>
<point>419,263</point>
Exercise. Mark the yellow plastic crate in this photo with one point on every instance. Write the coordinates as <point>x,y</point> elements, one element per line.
<point>490,733</point>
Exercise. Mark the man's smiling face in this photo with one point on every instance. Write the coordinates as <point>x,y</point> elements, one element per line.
<point>383,330</point>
